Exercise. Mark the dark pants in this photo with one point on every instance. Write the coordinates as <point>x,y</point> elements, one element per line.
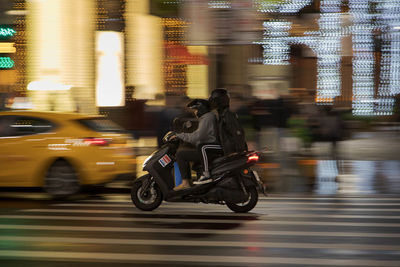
<point>205,153</point>
<point>184,156</point>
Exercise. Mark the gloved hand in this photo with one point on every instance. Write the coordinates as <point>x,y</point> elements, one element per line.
<point>170,136</point>
<point>173,137</point>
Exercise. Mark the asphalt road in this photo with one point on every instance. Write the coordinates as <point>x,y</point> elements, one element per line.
<point>283,230</point>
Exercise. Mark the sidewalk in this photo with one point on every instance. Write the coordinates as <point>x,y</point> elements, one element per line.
<point>368,163</point>
<point>365,146</point>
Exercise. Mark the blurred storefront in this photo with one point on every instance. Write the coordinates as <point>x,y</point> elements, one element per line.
<point>60,55</point>
<point>73,55</point>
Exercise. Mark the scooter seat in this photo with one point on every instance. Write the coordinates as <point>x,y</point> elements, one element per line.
<point>228,158</point>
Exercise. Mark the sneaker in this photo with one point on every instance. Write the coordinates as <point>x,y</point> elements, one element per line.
<point>181,187</point>
<point>203,180</point>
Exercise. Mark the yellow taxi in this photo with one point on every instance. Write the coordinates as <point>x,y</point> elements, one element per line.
<point>61,152</point>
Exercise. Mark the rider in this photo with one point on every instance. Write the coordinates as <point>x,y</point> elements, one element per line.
<point>205,136</point>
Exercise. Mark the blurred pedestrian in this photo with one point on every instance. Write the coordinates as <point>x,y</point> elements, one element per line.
<point>267,119</point>
<point>331,129</point>
<point>396,108</point>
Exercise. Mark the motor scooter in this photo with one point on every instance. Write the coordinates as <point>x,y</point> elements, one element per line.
<point>233,182</point>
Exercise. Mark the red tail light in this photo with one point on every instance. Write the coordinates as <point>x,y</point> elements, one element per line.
<point>252,158</point>
<point>96,141</point>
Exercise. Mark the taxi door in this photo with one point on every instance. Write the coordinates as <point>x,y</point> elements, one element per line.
<point>20,151</point>
<point>7,139</point>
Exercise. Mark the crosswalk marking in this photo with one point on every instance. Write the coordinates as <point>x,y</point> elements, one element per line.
<point>271,213</point>
<point>121,257</point>
<point>190,220</point>
<point>196,243</point>
<point>271,203</point>
<point>214,207</point>
<point>316,231</point>
<point>269,232</point>
<point>269,198</point>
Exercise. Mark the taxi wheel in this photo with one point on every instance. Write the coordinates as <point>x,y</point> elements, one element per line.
<point>61,180</point>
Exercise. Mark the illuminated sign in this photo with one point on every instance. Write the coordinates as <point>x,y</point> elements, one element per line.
<point>6,63</point>
<point>110,91</point>
<point>6,32</point>
<point>7,48</point>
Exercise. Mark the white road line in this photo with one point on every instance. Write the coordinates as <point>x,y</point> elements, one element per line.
<point>210,221</point>
<point>194,231</point>
<point>265,203</point>
<point>132,257</point>
<point>261,198</point>
<point>329,203</point>
<point>122,198</point>
<point>196,243</point>
<point>270,215</point>
<point>214,207</point>
<point>338,197</point>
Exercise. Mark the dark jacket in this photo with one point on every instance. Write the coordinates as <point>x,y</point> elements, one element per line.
<point>231,133</point>
<point>206,133</point>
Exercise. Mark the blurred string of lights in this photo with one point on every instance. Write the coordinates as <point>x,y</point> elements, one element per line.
<point>293,6</point>
<point>175,2</point>
<point>389,85</point>
<point>174,69</point>
<point>266,6</point>
<point>326,43</point>
<point>6,63</point>
<point>101,15</point>
<point>219,4</point>
<point>363,58</point>
<point>276,42</point>
<point>21,50</point>
<point>328,50</point>
<point>281,6</point>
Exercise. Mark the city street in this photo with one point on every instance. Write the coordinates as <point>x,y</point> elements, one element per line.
<point>101,99</point>
<point>283,230</point>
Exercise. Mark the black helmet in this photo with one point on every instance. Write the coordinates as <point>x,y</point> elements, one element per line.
<point>219,99</point>
<point>201,105</point>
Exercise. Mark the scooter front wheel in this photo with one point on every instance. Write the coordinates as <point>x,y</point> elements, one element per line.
<point>146,199</point>
<point>248,205</point>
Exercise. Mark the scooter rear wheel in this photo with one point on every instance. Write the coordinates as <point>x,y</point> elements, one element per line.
<point>248,205</point>
<point>148,200</point>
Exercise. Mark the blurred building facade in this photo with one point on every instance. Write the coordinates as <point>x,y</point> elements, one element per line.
<point>81,55</point>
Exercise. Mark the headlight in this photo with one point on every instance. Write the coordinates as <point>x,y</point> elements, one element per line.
<point>146,160</point>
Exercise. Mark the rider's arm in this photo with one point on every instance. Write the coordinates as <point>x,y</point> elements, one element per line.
<point>202,134</point>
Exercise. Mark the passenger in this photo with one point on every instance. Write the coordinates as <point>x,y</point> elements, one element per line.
<point>230,132</point>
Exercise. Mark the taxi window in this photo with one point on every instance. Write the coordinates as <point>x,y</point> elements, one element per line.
<point>101,125</point>
<point>30,125</point>
<point>5,127</point>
